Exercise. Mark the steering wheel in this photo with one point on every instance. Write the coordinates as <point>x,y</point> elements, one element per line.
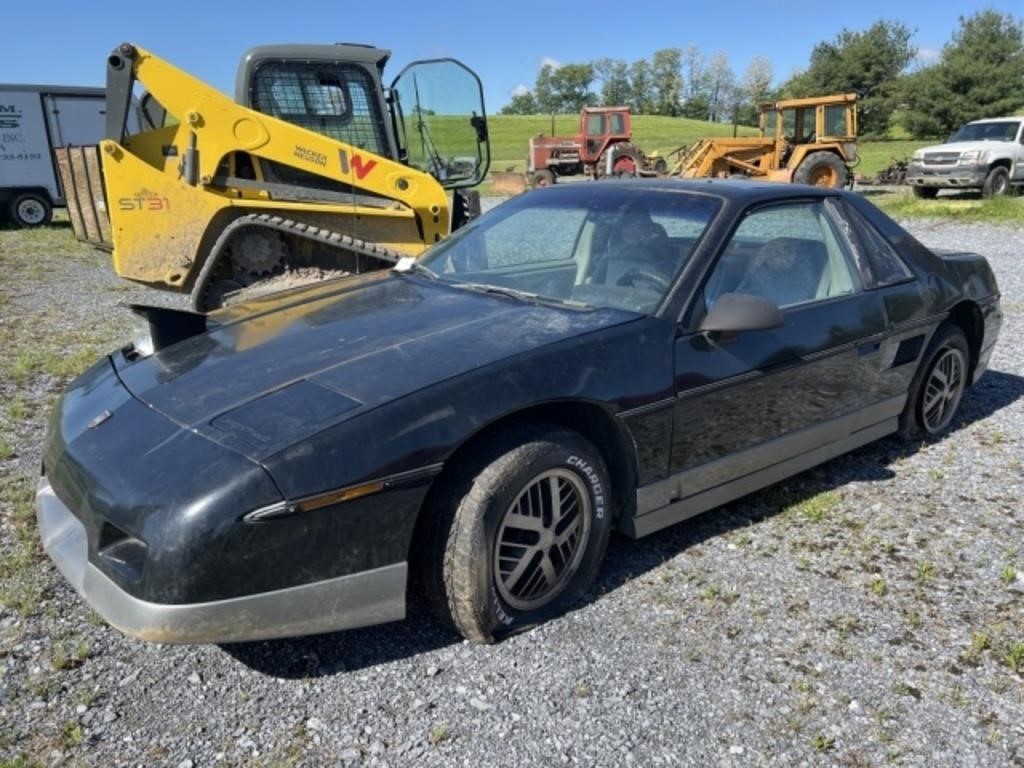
<point>638,276</point>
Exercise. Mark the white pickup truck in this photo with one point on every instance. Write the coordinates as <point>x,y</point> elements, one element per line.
<point>984,154</point>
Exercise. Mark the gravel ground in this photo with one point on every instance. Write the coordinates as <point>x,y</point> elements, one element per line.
<point>868,612</point>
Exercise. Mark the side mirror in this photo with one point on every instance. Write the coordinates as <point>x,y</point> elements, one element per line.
<point>736,312</point>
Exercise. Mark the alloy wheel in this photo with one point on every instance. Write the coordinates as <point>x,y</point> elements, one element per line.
<point>943,390</point>
<point>541,539</point>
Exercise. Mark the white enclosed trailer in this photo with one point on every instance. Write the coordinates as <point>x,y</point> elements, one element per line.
<point>35,120</point>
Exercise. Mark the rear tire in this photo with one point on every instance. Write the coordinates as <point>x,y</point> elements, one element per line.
<point>30,209</point>
<point>997,183</point>
<point>926,193</point>
<point>938,385</point>
<point>519,537</point>
<point>626,161</point>
<point>822,169</point>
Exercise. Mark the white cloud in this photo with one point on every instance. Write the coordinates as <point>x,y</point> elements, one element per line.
<point>928,55</point>
<point>520,90</point>
<point>550,61</point>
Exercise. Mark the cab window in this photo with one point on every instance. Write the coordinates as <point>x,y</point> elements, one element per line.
<point>595,125</point>
<point>835,121</point>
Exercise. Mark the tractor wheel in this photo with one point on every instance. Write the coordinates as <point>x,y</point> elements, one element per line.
<point>626,161</point>
<point>822,169</point>
<point>926,193</point>
<point>660,166</point>
<point>543,178</point>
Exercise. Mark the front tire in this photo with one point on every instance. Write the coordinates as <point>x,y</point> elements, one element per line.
<point>542,178</point>
<point>938,385</point>
<point>997,183</point>
<point>526,536</point>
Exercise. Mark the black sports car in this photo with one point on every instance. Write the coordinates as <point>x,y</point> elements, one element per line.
<point>586,357</point>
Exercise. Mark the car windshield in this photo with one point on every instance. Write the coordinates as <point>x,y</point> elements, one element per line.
<point>996,131</point>
<point>601,244</point>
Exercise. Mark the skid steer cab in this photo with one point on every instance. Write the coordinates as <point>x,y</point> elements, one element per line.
<point>314,170</point>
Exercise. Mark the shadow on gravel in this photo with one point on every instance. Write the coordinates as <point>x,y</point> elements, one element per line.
<point>627,559</point>
<point>325,655</point>
<point>6,226</point>
<point>337,652</point>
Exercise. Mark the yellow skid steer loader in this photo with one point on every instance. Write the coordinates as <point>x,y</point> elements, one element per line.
<point>314,169</point>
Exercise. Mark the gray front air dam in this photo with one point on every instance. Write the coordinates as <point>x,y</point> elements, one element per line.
<point>356,600</point>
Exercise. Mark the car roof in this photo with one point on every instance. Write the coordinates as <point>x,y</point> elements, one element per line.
<point>1008,119</point>
<point>738,190</point>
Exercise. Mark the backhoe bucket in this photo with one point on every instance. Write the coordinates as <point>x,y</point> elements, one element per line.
<point>508,182</point>
<point>83,190</point>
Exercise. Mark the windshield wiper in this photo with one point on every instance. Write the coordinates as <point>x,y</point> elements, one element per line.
<point>515,293</point>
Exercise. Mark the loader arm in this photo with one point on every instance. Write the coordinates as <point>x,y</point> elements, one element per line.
<point>179,169</point>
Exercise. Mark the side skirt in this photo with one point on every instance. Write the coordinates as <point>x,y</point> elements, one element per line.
<point>855,434</point>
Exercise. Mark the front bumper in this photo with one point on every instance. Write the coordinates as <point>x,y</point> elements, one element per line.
<point>345,602</point>
<point>965,176</point>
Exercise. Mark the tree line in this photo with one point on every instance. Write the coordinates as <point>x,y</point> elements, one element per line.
<point>978,73</point>
<point>674,81</point>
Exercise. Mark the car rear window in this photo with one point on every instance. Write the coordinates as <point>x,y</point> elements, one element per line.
<point>884,264</point>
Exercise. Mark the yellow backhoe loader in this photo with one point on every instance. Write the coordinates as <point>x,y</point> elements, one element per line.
<point>315,167</point>
<point>806,141</point>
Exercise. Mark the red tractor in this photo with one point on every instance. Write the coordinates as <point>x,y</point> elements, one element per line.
<point>601,148</point>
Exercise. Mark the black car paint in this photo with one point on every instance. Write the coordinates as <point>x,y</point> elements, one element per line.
<point>321,388</point>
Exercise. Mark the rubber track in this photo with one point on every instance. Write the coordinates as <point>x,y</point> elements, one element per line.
<point>293,228</point>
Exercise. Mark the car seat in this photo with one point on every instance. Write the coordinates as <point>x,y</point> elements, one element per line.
<point>786,271</point>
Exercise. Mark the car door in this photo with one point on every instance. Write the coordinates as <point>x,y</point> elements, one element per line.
<point>762,398</point>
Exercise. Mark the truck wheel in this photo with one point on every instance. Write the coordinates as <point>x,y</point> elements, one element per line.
<point>520,540</point>
<point>544,178</point>
<point>926,193</point>
<point>30,210</point>
<point>822,169</point>
<point>996,183</point>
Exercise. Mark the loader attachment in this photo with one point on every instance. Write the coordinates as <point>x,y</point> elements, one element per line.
<point>82,181</point>
<point>508,182</point>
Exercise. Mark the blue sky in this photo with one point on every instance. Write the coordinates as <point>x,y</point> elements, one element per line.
<point>505,42</point>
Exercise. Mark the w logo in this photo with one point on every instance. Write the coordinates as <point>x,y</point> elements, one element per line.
<point>359,166</point>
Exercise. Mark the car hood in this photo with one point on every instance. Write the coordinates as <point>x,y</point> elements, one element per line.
<point>964,146</point>
<point>272,371</point>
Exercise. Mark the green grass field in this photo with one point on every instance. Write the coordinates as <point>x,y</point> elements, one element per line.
<point>902,204</point>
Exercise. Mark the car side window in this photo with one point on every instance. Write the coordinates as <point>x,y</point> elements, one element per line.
<point>790,254</point>
<point>873,250</point>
